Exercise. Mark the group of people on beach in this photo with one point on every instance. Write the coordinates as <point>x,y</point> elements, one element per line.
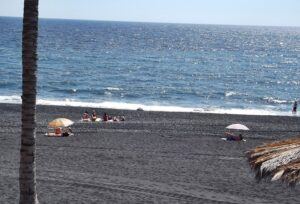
<point>94,117</point>
<point>86,117</point>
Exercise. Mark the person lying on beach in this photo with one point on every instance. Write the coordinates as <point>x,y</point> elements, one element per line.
<point>232,137</point>
<point>67,132</point>
<point>94,116</point>
<point>118,118</point>
<point>108,118</point>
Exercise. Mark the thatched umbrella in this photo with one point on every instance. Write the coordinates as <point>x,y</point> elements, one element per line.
<point>277,161</point>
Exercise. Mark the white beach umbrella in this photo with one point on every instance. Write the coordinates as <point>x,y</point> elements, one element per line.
<point>60,122</point>
<point>237,127</point>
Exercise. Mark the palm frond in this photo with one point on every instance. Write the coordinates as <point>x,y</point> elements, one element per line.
<point>277,161</point>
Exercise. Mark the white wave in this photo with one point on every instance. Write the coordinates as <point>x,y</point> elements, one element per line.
<point>230,93</point>
<point>135,106</point>
<point>107,93</point>
<point>296,82</point>
<point>288,62</point>
<point>238,111</point>
<point>273,100</point>
<point>15,99</point>
<point>113,88</point>
<point>269,65</point>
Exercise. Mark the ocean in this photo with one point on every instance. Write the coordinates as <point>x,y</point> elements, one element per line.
<point>157,66</point>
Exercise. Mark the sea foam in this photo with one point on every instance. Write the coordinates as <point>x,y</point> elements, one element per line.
<point>15,99</point>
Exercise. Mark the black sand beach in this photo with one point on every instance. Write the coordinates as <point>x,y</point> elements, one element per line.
<point>152,157</point>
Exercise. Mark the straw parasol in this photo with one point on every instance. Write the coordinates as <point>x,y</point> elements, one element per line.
<point>60,122</point>
<point>277,161</point>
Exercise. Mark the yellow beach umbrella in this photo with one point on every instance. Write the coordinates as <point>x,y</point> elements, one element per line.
<point>60,122</point>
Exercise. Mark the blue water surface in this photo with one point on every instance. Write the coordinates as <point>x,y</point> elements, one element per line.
<point>195,66</point>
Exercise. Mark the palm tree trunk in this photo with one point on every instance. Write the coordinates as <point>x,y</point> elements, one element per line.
<point>27,177</point>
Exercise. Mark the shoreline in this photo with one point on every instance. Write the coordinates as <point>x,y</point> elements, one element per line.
<point>160,108</point>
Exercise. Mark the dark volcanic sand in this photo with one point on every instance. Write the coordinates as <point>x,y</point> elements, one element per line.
<point>152,157</point>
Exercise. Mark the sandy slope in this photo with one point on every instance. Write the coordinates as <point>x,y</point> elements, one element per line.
<point>150,158</point>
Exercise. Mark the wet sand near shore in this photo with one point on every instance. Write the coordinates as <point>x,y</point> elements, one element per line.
<point>152,157</point>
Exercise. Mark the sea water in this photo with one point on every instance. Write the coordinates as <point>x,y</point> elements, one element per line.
<point>156,66</point>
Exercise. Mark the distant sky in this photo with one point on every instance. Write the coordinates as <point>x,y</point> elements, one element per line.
<point>237,12</point>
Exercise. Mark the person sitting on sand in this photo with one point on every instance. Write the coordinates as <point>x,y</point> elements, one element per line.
<point>85,116</point>
<point>232,137</point>
<point>105,117</point>
<point>58,131</point>
<point>94,116</point>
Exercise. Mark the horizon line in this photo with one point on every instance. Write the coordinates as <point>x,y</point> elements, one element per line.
<point>156,22</point>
